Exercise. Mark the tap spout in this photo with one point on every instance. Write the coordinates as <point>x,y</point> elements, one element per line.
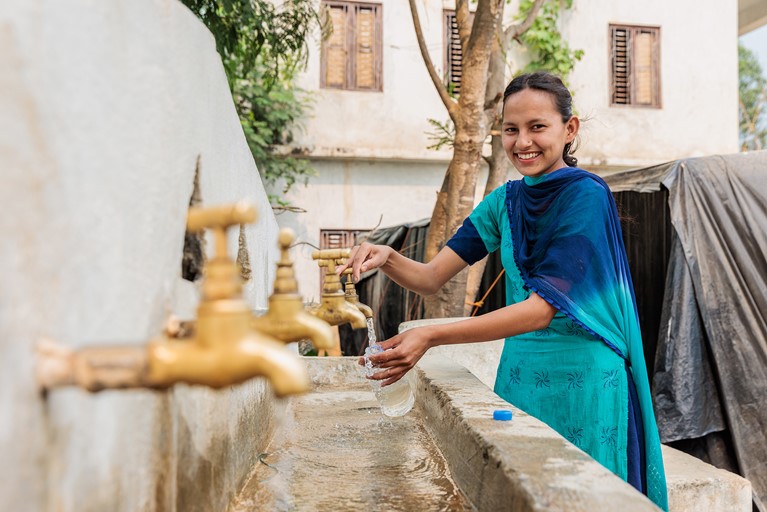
<point>173,361</point>
<point>336,311</point>
<point>350,292</point>
<point>165,362</point>
<point>288,321</point>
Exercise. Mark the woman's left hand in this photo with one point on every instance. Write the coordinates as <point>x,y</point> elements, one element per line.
<point>401,353</point>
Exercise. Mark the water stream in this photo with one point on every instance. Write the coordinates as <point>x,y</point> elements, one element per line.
<point>372,340</point>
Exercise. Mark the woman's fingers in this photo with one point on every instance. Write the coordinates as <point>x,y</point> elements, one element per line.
<point>360,257</point>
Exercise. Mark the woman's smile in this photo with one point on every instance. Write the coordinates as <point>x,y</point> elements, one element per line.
<point>528,157</point>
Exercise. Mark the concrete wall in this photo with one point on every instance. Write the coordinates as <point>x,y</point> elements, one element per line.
<point>105,109</point>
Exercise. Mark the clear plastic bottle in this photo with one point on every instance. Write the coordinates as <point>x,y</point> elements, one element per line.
<point>396,399</point>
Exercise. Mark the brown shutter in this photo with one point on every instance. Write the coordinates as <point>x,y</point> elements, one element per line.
<point>364,47</point>
<point>644,66</point>
<point>335,71</point>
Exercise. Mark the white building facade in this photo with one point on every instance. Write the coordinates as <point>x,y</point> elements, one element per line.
<point>367,134</point>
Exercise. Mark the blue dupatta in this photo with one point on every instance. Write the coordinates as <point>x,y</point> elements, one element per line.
<point>568,246</point>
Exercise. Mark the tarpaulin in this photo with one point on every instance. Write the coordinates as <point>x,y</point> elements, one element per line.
<point>719,212</point>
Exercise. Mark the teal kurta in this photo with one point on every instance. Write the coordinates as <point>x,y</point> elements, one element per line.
<point>565,375</point>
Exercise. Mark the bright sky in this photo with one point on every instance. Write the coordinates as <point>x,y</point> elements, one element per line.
<point>756,41</point>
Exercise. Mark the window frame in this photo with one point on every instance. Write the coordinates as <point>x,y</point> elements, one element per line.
<point>657,67</point>
<point>350,46</point>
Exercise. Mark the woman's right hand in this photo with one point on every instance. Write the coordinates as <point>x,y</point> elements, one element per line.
<point>365,257</point>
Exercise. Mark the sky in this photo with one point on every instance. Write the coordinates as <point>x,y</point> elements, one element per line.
<point>756,41</point>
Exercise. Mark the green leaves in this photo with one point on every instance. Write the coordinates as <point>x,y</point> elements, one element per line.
<point>544,41</point>
<point>263,47</point>
<point>752,88</point>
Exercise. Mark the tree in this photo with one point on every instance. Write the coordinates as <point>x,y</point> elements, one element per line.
<point>485,44</point>
<point>752,88</point>
<point>263,47</point>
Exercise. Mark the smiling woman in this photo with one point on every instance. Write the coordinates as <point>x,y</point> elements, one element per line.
<point>539,127</point>
<point>573,353</point>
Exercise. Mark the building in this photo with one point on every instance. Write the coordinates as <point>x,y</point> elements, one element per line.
<point>367,136</point>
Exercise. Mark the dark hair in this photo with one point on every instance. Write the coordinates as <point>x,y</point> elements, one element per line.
<point>552,84</point>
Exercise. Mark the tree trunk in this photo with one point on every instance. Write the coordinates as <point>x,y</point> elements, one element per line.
<point>475,112</point>
<point>498,163</point>
<point>454,203</point>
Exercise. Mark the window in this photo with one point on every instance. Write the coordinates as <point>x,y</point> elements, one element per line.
<point>635,66</point>
<point>351,56</point>
<point>453,51</point>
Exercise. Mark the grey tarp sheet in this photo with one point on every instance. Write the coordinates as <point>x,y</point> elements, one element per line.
<point>711,359</point>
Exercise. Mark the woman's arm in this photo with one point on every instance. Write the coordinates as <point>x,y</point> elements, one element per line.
<point>532,314</point>
<point>422,278</point>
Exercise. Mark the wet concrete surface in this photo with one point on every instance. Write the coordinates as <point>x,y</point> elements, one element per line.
<point>334,450</point>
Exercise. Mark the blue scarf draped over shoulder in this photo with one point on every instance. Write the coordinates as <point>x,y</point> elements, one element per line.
<point>569,249</point>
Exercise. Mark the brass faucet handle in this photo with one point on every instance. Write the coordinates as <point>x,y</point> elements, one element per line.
<point>285,281</point>
<point>220,217</point>
<point>331,254</point>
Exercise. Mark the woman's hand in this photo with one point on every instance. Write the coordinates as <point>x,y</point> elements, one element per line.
<point>365,257</point>
<point>407,349</point>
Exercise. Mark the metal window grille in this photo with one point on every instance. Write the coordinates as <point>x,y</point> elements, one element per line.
<point>453,51</point>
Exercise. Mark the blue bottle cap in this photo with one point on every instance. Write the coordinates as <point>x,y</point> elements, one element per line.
<point>502,415</point>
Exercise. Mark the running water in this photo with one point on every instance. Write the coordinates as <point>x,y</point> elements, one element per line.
<point>396,399</point>
<point>371,332</point>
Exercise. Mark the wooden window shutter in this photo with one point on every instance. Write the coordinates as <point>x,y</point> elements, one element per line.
<point>351,56</point>
<point>645,74</point>
<point>335,49</point>
<point>634,66</point>
<point>365,48</point>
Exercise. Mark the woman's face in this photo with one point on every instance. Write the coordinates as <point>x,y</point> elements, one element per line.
<point>534,135</point>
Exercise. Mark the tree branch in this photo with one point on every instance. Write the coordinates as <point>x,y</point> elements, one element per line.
<point>449,102</point>
<point>514,31</point>
<point>462,17</point>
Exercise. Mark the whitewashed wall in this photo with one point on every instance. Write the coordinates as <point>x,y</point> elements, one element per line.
<point>105,108</point>
<point>355,137</point>
<point>699,86</point>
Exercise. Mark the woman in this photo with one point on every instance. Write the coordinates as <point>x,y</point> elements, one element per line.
<point>573,351</point>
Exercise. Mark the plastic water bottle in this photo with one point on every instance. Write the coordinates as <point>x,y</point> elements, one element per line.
<point>396,399</point>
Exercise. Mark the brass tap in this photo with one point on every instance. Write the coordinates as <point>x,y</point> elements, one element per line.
<point>286,319</point>
<point>334,308</point>
<point>352,298</point>
<point>224,350</point>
